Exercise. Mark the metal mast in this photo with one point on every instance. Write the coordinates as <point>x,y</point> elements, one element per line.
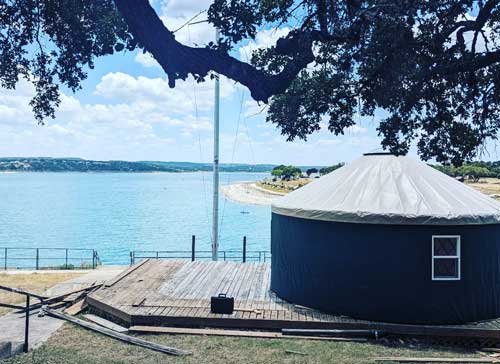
<point>215,211</point>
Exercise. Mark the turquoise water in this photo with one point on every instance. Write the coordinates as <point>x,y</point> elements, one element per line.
<point>119,212</point>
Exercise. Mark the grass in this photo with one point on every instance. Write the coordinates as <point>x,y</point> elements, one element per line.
<point>72,345</point>
<point>35,282</point>
<point>282,186</point>
<point>488,186</point>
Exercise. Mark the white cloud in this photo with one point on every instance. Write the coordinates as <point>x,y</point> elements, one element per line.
<point>356,130</point>
<point>252,108</point>
<point>328,142</point>
<point>141,129</point>
<point>146,60</point>
<point>263,39</point>
<point>198,34</point>
<point>178,8</point>
<point>176,13</point>
<point>155,92</point>
<point>127,129</point>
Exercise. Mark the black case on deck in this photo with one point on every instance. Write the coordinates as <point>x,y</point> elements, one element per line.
<point>222,304</point>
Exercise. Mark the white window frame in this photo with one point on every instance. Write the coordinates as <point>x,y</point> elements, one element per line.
<point>434,257</point>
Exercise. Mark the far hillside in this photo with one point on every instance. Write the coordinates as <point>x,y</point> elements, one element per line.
<point>42,164</point>
<point>46,164</point>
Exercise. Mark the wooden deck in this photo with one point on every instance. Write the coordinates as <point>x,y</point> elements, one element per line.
<point>177,293</point>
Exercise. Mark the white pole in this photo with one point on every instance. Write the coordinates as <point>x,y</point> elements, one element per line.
<point>215,212</point>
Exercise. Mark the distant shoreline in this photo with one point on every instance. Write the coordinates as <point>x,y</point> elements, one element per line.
<point>41,164</point>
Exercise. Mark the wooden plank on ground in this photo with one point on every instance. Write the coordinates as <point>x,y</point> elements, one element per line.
<point>323,332</point>
<point>210,332</point>
<point>116,335</point>
<point>230,333</point>
<point>58,298</point>
<point>105,323</point>
<point>76,307</point>
<point>434,360</point>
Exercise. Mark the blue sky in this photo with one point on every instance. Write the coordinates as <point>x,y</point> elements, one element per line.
<point>125,110</point>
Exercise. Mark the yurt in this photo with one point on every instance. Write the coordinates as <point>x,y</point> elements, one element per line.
<point>388,238</point>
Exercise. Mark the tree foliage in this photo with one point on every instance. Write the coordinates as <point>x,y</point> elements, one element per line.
<point>473,169</point>
<point>431,68</point>
<point>286,172</point>
<point>51,42</point>
<point>326,170</point>
<point>311,171</point>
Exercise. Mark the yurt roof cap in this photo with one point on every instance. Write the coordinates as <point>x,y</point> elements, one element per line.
<point>378,153</point>
<point>382,188</point>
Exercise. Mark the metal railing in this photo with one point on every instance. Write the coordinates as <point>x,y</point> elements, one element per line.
<point>233,255</point>
<point>48,258</point>
<point>224,255</point>
<point>26,309</point>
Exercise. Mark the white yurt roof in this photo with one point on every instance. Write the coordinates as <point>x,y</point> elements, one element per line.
<point>389,189</point>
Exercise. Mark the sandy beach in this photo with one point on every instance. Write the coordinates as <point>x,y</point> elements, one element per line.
<point>249,193</point>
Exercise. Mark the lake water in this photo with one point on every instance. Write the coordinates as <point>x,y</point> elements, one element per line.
<point>119,212</point>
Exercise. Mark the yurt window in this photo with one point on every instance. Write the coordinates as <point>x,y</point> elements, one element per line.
<point>445,257</point>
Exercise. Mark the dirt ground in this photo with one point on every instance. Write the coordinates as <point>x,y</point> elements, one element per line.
<point>283,186</point>
<point>488,186</point>
<point>34,282</point>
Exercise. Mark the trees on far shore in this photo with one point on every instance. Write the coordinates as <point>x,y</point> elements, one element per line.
<point>473,170</point>
<point>311,171</point>
<point>286,172</point>
<point>326,170</point>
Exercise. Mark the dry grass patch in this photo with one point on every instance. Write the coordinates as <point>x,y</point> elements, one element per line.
<point>283,186</point>
<point>72,345</point>
<point>488,186</point>
<point>35,282</point>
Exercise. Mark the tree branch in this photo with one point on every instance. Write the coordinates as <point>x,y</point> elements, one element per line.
<point>178,60</point>
<point>480,61</point>
<point>475,25</point>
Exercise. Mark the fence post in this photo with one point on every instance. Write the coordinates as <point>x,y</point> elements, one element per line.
<point>37,258</point>
<point>5,258</point>
<point>131,258</point>
<point>244,249</point>
<point>27,324</point>
<point>193,247</point>
<point>66,259</point>
<point>94,259</point>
